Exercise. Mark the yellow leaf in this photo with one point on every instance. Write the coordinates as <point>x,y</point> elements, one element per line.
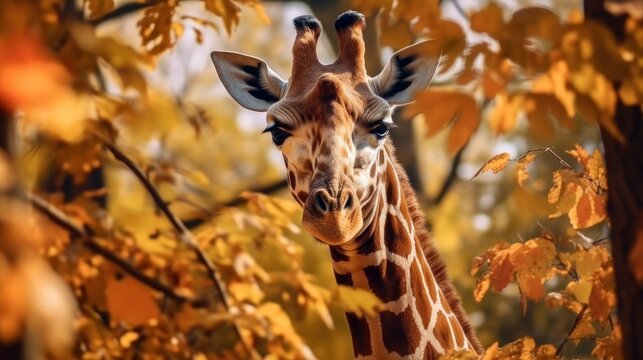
<point>495,164</point>
<point>580,289</point>
<point>128,338</point>
<point>627,93</point>
<point>130,301</point>
<point>243,291</point>
<point>504,115</point>
<point>359,301</point>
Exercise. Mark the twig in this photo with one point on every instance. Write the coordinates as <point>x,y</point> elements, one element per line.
<point>185,235</point>
<point>460,9</point>
<point>124,10</point>
<point>450,179</point>
<point>79,232</point>
<point>571,331</point>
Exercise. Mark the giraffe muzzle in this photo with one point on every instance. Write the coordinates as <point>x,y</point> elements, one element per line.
<point>333,220</point>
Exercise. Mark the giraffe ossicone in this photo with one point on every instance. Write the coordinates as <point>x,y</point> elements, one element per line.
<point>331,122</point>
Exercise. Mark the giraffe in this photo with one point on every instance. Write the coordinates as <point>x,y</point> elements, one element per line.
<point>331,124</point>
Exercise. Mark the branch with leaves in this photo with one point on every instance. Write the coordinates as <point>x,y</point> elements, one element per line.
<point>184,233</point>
<point>85,235</point>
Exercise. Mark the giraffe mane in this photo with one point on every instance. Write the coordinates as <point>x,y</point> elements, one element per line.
<point>433,257</point>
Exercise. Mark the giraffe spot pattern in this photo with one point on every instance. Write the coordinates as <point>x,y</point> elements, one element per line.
<point>403,343</point>
<point>441,331</point>
<point>360,334</point>
<point>459,335</point>
<point>396,238</point>
<point>389,286</point>
<point>422,302</point>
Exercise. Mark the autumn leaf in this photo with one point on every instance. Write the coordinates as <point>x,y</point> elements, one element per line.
<point>441,108</point>
<point>602,298</point>
<point>488,20</point>
<point>130,301</point>
<point>98,8</point>
<point>156,27</point>
<point>522,172</point>
<point>24,61</point>
<point>495,164</point>
<point>505,112</point>
<point>359,301</point>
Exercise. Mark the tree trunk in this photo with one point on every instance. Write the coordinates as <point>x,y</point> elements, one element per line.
<point>624,163</point>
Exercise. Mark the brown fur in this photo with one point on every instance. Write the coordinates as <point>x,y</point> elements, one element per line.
<point>438,267</point>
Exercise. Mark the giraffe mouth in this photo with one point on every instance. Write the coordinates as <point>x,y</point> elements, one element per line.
<point>333,220</point>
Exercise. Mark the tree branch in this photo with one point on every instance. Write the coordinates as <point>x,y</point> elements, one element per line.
<point>185,235</point>
<point>450,180</point>
<point>571,331</point>
<point>61,219</point>
<point>123,10</point>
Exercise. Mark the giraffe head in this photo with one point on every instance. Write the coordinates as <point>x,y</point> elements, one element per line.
<point>330,121</point>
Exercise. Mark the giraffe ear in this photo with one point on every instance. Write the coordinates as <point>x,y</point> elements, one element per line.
<point>409,71</point>
<point>249,80</point>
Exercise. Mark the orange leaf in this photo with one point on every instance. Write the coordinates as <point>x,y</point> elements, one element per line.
<point>522,173</point>
<point>495,164</point>
<point>488,20</point>
<point>443,107</point>
<point>130,301</point>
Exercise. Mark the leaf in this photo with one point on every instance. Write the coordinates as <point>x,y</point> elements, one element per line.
<point>359,301</point>
<point>450,39</point>
<point>395,34</point>
<point>130,301</point>
<point>156,27</point>
<point>602,298</point>
<point>533,263</point>
<point>522,172</point>
<point>505,112</point>
<point>495,164</point>
<point>243,291</point>
<point>98,8</point>
<point>440,108</point>
<point>488,20</point>
<point>128,338</point>
<point>226,10</point>
<point>609,347</point>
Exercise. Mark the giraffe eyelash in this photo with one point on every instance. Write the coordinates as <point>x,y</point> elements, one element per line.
<point>382,129</point>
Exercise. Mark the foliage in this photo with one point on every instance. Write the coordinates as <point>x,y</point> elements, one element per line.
<point>584,267</point>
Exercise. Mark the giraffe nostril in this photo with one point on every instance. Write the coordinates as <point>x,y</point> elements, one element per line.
<point>349,201</point>
<point>320,202</point>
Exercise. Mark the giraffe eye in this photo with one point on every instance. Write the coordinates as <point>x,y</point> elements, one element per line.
<point>279,135</point>
<point>381,130</point>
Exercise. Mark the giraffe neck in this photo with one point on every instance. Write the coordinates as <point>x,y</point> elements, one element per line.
<point>387,258</point>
